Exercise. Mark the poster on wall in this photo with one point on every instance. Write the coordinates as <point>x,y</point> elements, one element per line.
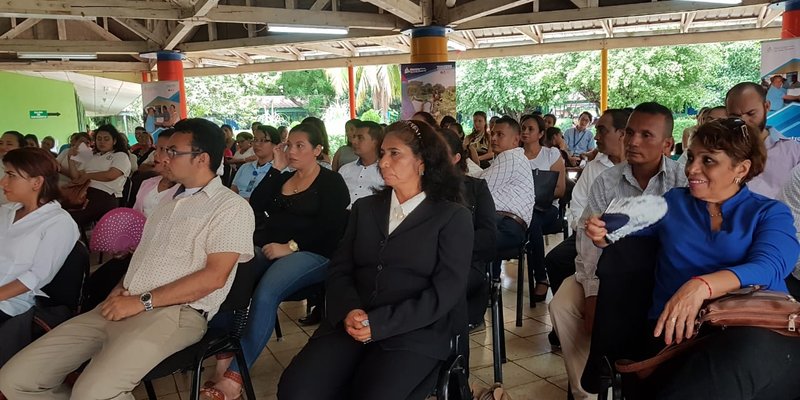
<point>780,64</point>
<point>429,87</point>
<point>162,105</point>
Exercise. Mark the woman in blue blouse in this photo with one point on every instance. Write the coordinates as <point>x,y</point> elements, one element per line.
<point>718,236</point>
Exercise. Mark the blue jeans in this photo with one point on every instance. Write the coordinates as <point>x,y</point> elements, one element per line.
<point>283,277</point>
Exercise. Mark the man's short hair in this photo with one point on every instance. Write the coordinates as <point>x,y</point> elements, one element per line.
<point>166,133</point>
<point>375,130</point>
<point>510,122</point>
<point>139,128</point>
<point>741,87</point>
<point>207,137</point>
<point>619,117</point>
<point>654,108</point>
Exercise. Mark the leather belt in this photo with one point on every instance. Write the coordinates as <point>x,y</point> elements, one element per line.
<point>515,218</point>
<point>201,312</point>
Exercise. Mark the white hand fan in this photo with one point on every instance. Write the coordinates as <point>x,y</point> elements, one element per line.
<point>628,215</point>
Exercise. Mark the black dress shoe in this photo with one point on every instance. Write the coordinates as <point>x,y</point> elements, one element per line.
<point>313,318</point>
<point>553,339</point>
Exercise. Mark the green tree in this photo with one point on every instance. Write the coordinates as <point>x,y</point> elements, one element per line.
<point>227,96</point>
<point>312,88</point>
<point>377,86</point>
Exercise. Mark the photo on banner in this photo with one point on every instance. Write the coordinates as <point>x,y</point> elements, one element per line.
<point>429,87</point>
<point>162,105</point>
<point>780,67</point>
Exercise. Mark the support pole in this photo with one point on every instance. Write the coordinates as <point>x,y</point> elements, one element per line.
<point>145,77</point>
<point>351,83</point>
<point>791,20</point>
<point>429,44</point>
<point>170,68</point>
<point>603,80</point>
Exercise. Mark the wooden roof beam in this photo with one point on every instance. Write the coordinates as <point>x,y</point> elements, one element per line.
<point>20,28</point>
<point>94,66</point>
<point>82,46</point>
<point>478,9</point>
<point>405,9</point>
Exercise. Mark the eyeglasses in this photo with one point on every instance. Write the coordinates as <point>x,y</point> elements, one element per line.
<point>172,153</point>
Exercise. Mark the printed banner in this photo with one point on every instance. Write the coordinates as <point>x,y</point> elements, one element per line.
<point>429,87</point>
<point>780,63</point>
<point>162,105</point>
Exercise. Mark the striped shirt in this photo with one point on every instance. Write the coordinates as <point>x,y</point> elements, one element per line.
<point>510,181</point>
<point>615,182</point>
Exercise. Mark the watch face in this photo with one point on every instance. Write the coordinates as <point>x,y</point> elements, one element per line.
<point>146,297</point>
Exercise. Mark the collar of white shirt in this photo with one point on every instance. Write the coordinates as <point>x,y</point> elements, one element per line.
<point>602,158</point>
<point>398,212</point>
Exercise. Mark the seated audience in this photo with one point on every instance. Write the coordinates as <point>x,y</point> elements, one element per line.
<point>75,140</point>
<point>646,171</point>
<point>579,138</point>
<point>748,101</point>
<point>284,132</point>
<point>144,145</point>
<point>479,201</point>
<point>446,121</point>
<point>510,181</point>
<point>549,121</point>
<point>555,139</point>
<point>249,175</point>
<point>472,168</point>
<point>244,150</point>
<point>346,154</point>
<point>37,235</point>
<point>179,275</point>
<point>425,117</point>
<point>717,237</point>
<point>705,115</point>
<point>300,217</point>
<point>363,177</point>
<point>791,196</point>
<point>106,172</point>
<point>388,328</point>
<point>477,142</point>
<point>9,141</point>
<point>31,140</point>
<point>159,189</point>
<point>49,144</point>
<point>324,158</point>
<point>544,216</point>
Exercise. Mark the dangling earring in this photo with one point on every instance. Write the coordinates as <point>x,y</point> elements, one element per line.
<point>422,173</point>
<point>737,180</point>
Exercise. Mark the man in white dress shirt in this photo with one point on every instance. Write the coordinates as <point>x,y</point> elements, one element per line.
<point>510,181</point>
<point>363,175</point>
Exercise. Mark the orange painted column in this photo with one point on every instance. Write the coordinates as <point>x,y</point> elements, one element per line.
<point>170,68</point>
<point>429,44</point>
<point>351,84</point>
<point>791,20</point>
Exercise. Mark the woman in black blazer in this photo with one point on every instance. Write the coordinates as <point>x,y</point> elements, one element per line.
<point>396,288</point>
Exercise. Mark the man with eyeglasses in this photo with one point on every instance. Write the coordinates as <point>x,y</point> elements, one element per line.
<point>748,101</point>
<point>178,277</point>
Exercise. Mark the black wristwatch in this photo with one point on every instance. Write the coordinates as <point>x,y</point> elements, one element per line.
<point>147,300</point>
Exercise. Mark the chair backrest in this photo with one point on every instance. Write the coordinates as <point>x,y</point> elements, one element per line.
<point>544,183</point>
<point>244,283</point>
<point>67,286</point>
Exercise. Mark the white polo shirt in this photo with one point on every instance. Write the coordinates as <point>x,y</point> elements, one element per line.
<point>104,162</point>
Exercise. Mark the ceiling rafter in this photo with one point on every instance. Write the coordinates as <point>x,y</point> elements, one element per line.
<point>141,30</point>
<point>319,5</point>
<point>477,9</point>
<point>405,9</point>
<point>19,28</point>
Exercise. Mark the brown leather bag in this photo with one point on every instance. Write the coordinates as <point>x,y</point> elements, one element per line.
<point>750,306</point>
<point>73,196</point>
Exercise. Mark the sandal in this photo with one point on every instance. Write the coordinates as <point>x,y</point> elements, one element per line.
<point>212,393</point>
<point>537,298</point>
<point>220,356</point>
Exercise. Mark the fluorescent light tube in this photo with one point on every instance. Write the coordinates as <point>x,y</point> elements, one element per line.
<point>320,30</point>
<point>56,56</point>
<point>219,63</point>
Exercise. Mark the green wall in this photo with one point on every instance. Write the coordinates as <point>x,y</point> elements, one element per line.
<point>19,94</point>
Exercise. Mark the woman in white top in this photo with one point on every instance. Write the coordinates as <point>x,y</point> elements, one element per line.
<point>106,172</point>
<point>75,141</point>
<point>9,141</point>
<point>157,190</point>
<point>544,159</point>
<point>244,150</point>
<point>37,235</point>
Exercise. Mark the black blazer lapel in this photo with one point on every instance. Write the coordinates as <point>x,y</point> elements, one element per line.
<point>381,215</point>
<point>422,213</point>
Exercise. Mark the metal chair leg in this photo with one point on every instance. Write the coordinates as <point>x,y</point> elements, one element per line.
<point>245,372</point>
<point>151,391</point>
<point>278,333</point>
<point>520,283</point>
<point>197,374</point>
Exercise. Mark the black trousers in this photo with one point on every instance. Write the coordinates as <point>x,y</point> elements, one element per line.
<point>510,237</point>
<point>477,292</point>
<point>4,317</point>
<point>541,222</point>
<point>335,366</point>
<point>560,262</point>
<point>99,204</point>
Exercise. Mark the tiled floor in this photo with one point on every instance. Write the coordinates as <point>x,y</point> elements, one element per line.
<point>533,371</point>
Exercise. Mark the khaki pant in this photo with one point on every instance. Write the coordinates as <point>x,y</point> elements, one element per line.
<point>122,352</point>
<point>566,313</point>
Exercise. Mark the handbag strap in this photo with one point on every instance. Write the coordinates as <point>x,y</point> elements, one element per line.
<point>645,368</point>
